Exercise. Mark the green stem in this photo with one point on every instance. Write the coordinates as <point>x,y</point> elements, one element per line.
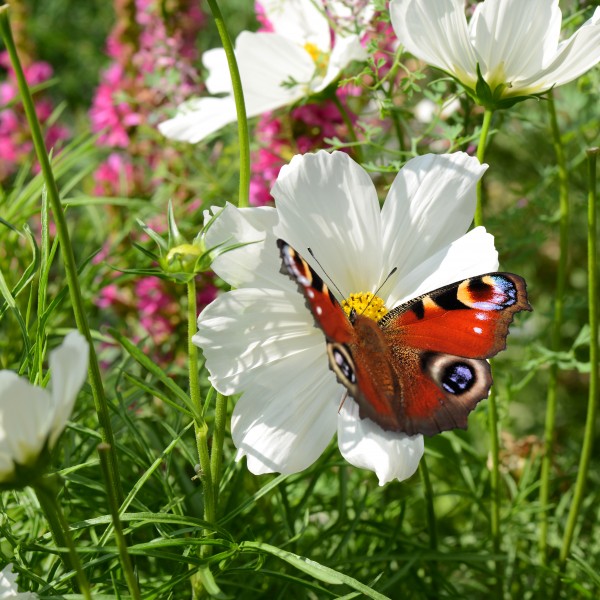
<point>557,321</point>
<point>492,407</point>
<point>483,136</point>
<point>588,437</point>
<point>431,522</point>
<point>46,490</point>
<point>66,249</point>
<point>348,122</point>
<point>194,369</point>
<point>238,95</point>
<point>495,487</point>
<point>132,584</point>
<point>216,453</point>
<point>200,425</point>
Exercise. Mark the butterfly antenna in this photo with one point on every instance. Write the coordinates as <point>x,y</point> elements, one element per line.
<point>337,289</point>
<point>378,289</point>
<point>343,400</point>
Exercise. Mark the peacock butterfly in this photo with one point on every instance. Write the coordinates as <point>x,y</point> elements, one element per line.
<point>422,367</point>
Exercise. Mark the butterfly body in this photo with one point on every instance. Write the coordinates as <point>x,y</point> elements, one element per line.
<point>422,367</point>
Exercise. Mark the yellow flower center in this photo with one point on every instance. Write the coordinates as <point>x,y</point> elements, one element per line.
<point>184,251</point>
<point>365,304</point>
<point>320,58</point>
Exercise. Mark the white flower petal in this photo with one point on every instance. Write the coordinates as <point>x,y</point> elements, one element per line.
<point>391,455</point>
<point>345,50</point>
<point>436,32</point>
<point>287,418</point>
<point>514,38</point>
<point>300,21</point>
<point>357,12</point>
<point>328,203</point>
<point>245,331</point>
<point>430,204</point>
<point>219,79</point>
<point>8,586</point>
<point>472,254</point>
<point>574,57</point>
<point>197,118</point>
<point>68,364</point>
<point>255,264</point>
<point>268,62</point>
<point>25,419</point>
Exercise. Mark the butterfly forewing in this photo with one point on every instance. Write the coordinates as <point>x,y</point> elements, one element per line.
<point>467,318</point>
<point>329,315</point>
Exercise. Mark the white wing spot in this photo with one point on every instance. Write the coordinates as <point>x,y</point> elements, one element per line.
<point>477,330</point>
<point>310,293</point>
<point>318,310</point>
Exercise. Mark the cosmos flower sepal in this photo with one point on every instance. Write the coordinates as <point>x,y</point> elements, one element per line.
<point>179,260</point>
<point>494,99</point>
<point>24,475</point>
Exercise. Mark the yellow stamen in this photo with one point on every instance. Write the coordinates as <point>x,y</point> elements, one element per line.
<point>321,59</point>
<point>366,304</point>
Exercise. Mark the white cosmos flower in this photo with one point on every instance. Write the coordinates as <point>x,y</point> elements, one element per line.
<point>514,42</point>
<point>32,417</point>
<point>8,586</point>
<point>277,69</point>
<point>260,338</point>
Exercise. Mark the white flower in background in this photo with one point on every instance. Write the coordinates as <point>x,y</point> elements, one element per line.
<point>277,69</point>
<point>8,586</point>
<point>514,42</point>
<point>32,417</point>
<point>260,338</point>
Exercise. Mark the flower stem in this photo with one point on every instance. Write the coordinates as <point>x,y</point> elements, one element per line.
<point>126,565</point>
<point>201,428</point>
<point>46,489</point>
<point>348,122</point>
<point>492,407</point>
<point>240,106</point>
<point>194,379</point>
<point>66,250</point>
<point>557,321</point>
<point>495,487</point>
<point>431,522</point>
<point>588,438</point>
<point>216,453</point>
<point>483,136</point>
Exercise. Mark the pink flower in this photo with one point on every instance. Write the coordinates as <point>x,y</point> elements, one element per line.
<point>261,17</point>
<point>15,140</point>
<point>114,177</point>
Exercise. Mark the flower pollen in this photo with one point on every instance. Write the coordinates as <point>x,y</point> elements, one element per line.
<point>320,58</point>
<point>366,304</point>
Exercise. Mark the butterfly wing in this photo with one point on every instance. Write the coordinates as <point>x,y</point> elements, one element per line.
<point>356,349</point>
<point>440,341</point>
<point>329,315</point>
<point>421,369</point>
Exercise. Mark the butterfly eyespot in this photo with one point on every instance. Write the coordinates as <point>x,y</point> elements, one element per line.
<point>458,378</point>
<point>454,376</point>
<point>342,363</point>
